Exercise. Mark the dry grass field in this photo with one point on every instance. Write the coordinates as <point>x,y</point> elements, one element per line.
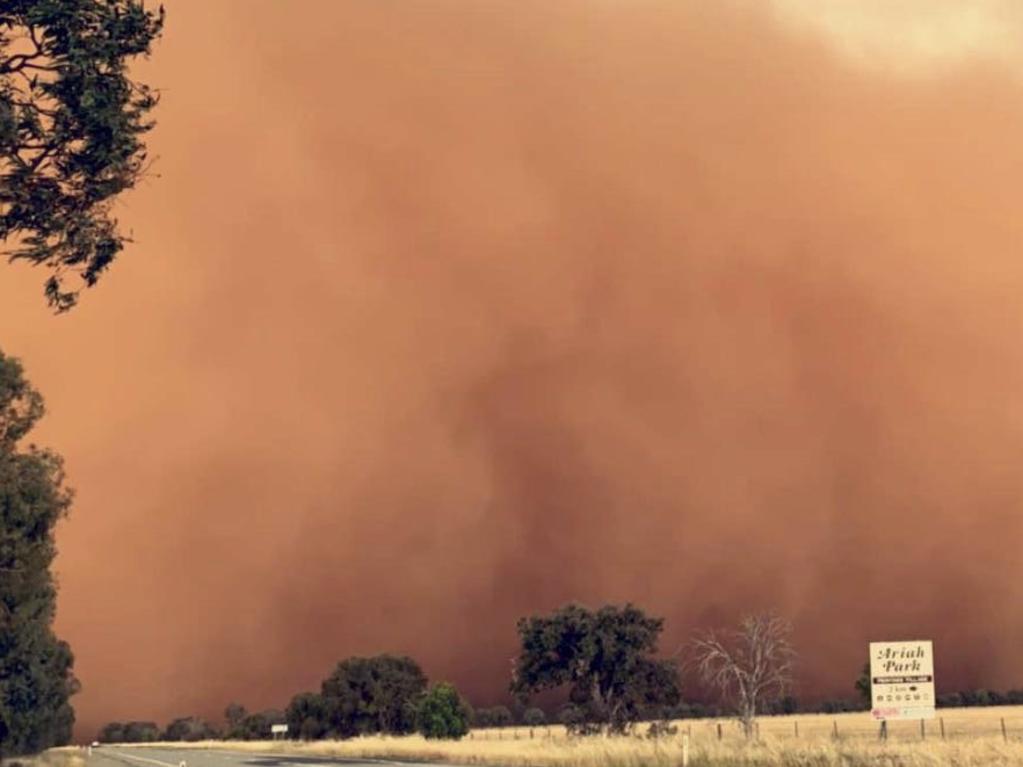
<point>55,757</point>
<point>973,737</point>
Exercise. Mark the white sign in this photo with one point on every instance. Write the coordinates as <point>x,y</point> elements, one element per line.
<point>902,680</point>
<point>276,728</point>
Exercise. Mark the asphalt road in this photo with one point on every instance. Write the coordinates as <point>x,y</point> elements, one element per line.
<point>123,756</point>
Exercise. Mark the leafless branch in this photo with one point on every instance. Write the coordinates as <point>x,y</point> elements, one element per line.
<point>750,665</point>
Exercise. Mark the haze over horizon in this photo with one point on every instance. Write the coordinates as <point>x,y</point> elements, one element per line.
<point>441,314</point>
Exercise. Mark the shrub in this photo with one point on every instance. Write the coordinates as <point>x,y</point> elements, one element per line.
<point>441,714</point>
<point>534,717</point>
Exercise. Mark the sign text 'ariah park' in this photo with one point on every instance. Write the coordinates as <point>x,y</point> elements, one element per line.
<point>902,680</point>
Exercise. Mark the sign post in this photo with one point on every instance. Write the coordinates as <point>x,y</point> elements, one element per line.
<point>902,680</point>
<point>278,729</point>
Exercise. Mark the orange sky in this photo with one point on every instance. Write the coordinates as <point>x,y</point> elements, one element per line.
<point>442,313</point>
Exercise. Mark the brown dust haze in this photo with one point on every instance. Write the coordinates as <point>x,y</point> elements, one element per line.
<point>443,313</point>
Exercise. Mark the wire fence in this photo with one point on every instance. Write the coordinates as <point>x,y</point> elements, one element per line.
<point>954,725</point>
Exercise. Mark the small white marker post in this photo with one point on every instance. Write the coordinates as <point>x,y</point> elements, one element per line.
<point>685,751</point>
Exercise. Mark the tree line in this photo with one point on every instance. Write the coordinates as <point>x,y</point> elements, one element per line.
<point>362,696</point>
<point>603,661</point>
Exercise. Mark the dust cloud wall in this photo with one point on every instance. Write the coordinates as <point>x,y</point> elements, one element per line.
<point>444,313</point>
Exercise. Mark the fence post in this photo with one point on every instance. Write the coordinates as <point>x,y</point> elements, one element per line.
<point>1005,735</point>
<point>923,730</point>
<point>941,721</point>
<point>795,726</point>
<point>685,751</point>
<point>719,730</point>
<point>834,723</point>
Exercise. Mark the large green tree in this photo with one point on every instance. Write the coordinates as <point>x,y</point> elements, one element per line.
<point>36,679</point>
<point>378,694</point>
<point>604,657</point>
<point>71,128</point>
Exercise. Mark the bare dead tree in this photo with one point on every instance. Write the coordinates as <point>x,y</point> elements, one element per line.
<point>748,666</point>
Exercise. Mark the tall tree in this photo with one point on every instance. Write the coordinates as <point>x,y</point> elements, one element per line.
<point>36,679</point>
<point>750,666</point>
<point>604,657</point>
<point>71,129</point>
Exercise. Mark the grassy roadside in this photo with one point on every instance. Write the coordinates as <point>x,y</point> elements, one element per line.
<point>55,757</point>
<point>981,751</point>
<point>973,739</point>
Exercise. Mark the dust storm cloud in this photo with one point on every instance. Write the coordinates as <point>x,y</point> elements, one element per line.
<point>444,313</point>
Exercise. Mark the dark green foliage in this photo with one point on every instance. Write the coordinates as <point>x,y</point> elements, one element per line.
<point>367,695</point>
<point>693,710</point>
<point>605,659</point>
<point>496,716</point>
<point>840,706</point>
<point>970,698</point>
<point>362,696</point>
<point>244,726</point>
<point>234,713</point>
<point>781,706</point>
<point>306,717</point>
<point>442,714</point>
<point>191,729</point>
<point>36,682</point>
<point>140,732</point>
<point>577,721</point>
<point>71,127</point>
<point>113,732</point>
<point>534,717</point>
<point>571,715</point>
<point>982,698</point>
